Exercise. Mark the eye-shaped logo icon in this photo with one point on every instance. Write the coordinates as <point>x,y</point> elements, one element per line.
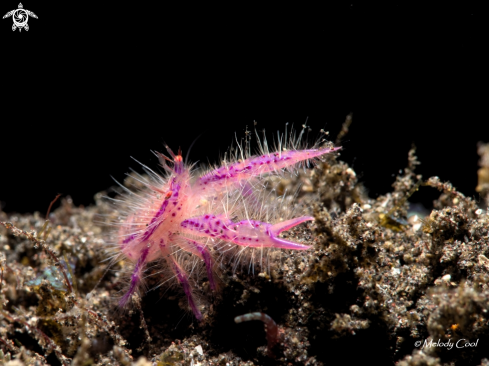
<point>20,17</point>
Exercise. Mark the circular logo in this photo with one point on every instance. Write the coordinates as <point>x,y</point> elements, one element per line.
<point>20,18</point>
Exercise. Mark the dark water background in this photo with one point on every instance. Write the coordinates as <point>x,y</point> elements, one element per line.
<point>91,84</point>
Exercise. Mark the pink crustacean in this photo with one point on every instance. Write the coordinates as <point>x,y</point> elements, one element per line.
<point>180,212</point>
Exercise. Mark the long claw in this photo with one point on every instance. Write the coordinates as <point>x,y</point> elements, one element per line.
<point>250,233</point>
<point>255,166</point>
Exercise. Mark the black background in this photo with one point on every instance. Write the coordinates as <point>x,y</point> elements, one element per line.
<point>91,84</point>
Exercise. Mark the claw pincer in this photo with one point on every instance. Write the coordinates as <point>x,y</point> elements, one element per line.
<point>249,233</point>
